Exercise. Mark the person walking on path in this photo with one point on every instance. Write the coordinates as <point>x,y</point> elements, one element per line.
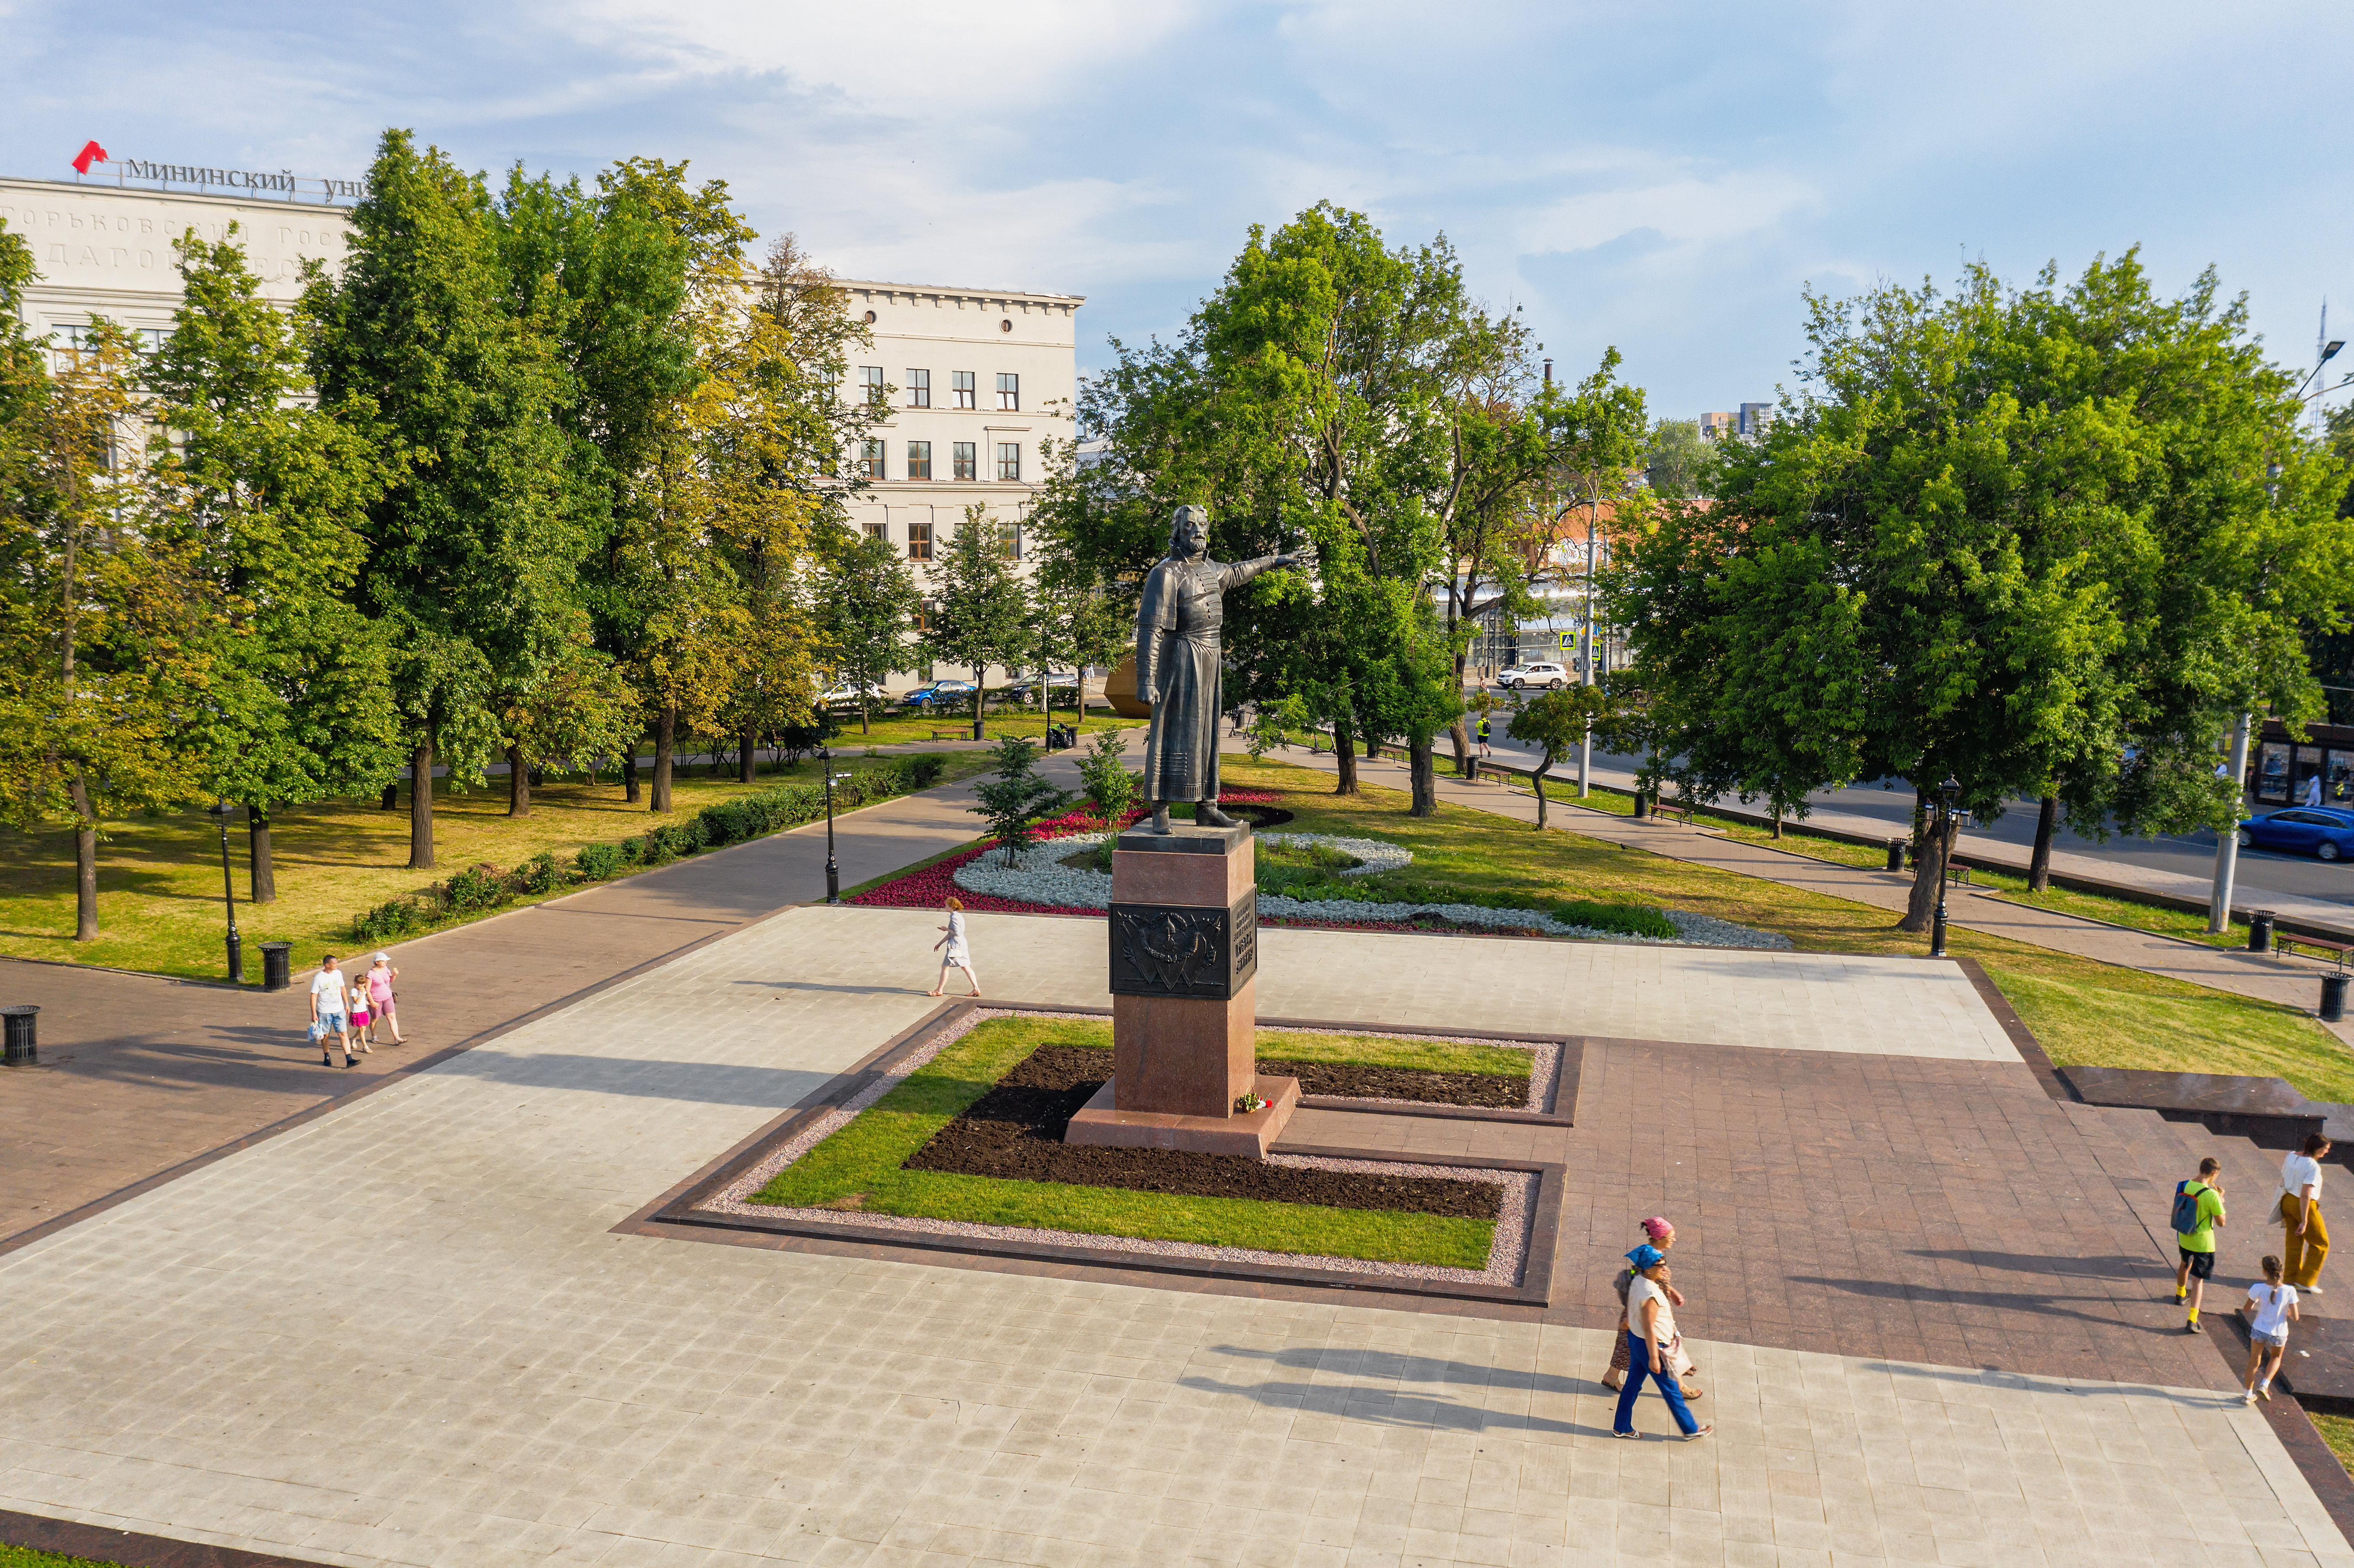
<point>2271,1308</point>
<point>2307,1239</point>
<point>958,956</point>
<point>380,976</point>
<point>1485,754</point>
<point>1662,1236</point>
<point>362,1023</point>
<point>1651,1343</point>
<point>328,1013</point>
<point>2198,1210</point>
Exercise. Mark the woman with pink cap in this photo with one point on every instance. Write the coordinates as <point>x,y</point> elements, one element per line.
<point>1657,1232</point>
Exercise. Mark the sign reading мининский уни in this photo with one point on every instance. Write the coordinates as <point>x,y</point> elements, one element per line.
<point>284,182</point>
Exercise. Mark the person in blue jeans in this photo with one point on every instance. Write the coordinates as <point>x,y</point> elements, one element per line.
<point>1650,1339</point>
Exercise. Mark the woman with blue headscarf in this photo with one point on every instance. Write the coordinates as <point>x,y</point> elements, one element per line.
<point>1650,1331</point>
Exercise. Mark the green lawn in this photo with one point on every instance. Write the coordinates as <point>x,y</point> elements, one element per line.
<point>2338,1431</point>
<point>896,729</point>
<point>26,1557</point>
<point>2083,1012</point>
<point>159,877</point>
<point>859,1168</point>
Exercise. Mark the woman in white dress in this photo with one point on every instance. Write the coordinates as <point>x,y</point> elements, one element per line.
<point>958,956</point>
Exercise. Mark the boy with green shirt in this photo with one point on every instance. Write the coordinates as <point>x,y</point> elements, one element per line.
<point>2201,1200</point>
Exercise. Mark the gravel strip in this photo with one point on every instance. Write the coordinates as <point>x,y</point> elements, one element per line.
<point>1504,1257</point>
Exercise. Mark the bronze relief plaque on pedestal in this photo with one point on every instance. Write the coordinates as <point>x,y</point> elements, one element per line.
<point>1182,951</point>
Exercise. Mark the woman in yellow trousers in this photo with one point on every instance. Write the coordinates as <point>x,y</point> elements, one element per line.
<point>2306,1243</point>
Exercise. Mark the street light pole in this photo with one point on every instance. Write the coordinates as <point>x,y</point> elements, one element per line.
<point>832,872</point>
<point>221,812</point>
<point>1585,742</point>
<point>1946,793</point>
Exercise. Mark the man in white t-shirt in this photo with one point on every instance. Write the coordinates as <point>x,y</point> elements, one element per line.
<point>331,1011</point>
<point>2306,1242</point>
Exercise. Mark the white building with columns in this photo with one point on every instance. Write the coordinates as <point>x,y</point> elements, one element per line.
<point>976,381</point>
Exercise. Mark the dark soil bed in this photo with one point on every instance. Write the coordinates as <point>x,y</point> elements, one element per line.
<point>1015,1132</point>
<point>1354,1080</point>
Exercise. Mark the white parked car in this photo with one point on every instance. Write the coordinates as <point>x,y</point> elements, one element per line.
<point>1519,677</point>
<point>847,697</point>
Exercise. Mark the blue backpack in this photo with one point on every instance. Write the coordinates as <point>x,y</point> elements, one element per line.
<point>2186,1208</point>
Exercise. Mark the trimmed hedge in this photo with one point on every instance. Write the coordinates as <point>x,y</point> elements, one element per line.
<point>478,888</point>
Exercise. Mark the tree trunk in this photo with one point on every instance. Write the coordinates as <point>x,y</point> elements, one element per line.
<point>1777,822</point>
<point>391,798</point>
<point>256,854</point>
<point>420,804</point>
<point>978,692</point>
<point>864,728</point>
<point>630,775</point>
<point>666,740</point>
<point>2039,865</point>
<point>1928,869</point>
<point>1344,757</point>
<point>747,763</point>
<point>1537,779</point>
<point>1458,733</point>
<point>1422,754</point>
<point>518,784</point>
<point>85,861</point>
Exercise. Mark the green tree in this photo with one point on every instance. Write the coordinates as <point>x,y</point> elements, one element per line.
<point>1016,797</point>
<point>868,603</point>
<point>1558,723</point>
<point>1111,788</point>
<point>979,614</point>
<point>1681,463</point>
<point>265,495</point>
<point>474,547</point>
<point>103,639</point>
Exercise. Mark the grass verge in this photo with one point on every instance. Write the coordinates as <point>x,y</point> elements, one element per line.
<point>859,1168</point>
<point>159,876</point>
<point>28,1557</point>
<point>2338,1431</point>
<point>2083,1010</point>
<point>916,729</point>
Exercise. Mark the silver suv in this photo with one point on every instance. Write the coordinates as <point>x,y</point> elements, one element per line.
<point>1519,677</point>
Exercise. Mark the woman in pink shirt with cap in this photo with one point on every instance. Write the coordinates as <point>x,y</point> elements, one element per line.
<point>379,981</point>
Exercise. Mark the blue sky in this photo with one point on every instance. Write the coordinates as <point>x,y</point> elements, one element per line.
<point>1663,178</point>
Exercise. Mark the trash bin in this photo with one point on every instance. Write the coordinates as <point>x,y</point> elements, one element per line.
<point>274,965</point>
<point>21,1049</point>
<point>1896,855</point>
<point>2333,1004</point>
<point>1642,805</point>
<point>2260,931</point>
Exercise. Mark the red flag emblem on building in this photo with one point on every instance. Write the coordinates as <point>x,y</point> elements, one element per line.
<point>91,153</point>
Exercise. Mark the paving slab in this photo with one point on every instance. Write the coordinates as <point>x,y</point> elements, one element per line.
<point>405,1331</point>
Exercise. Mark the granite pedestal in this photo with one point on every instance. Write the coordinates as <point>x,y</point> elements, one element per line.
<point>1185,959</point>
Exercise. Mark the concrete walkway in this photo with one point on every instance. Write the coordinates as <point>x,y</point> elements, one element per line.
<point>2290,982</point>
<point>139,1072</point>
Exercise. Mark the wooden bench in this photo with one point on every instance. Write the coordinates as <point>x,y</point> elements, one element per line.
<point>1960,874</point>
<point>962,733</point>
<point>2283,944</point>
<point>1669,809</point>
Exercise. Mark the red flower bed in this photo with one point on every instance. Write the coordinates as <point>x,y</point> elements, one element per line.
<point>926,889</point>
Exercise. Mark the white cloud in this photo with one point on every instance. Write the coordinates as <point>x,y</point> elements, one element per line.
<point>1689,211</point>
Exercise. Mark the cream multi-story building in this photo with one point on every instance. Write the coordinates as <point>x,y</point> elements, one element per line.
<point>105,250</point>
<point>977,381</point>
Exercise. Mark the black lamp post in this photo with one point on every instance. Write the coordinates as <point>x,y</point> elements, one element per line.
<point>221,812</point>
<point>1946,794</point>
<point>832,872</point>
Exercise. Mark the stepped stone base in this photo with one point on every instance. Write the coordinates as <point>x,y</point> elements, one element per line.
<point>1101,1122</point>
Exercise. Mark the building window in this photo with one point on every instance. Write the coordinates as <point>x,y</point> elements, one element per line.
<point>870,382</point>
<point>879,531</point>
<point>1009,460</point>
<point>919,459</point>
<point>1009,390</point>
<point>870,459</point>
<point>965,455</point>
<point>919,389</point>
<point>964,388</point>
<point>919,540</point>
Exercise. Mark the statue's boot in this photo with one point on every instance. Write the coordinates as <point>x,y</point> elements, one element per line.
<point>1161,816</point>
<point>1206,814</point>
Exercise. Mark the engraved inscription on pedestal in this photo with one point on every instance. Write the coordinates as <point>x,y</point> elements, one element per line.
<point>1183,951</point>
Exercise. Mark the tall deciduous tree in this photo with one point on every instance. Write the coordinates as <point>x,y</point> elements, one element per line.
<point>867,605</point>
<point>474,547</point>
<point>979,613</point>
<point>264,495</point>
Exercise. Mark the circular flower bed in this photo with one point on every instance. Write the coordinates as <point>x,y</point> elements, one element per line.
<point>1371,854</point>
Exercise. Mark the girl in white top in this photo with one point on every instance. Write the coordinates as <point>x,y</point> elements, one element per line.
<point>2271,1308</point>
<point>957,955</point>
<point>2305,1240</point>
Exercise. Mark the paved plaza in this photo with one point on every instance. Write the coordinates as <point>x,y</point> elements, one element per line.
<point>408,1331</point>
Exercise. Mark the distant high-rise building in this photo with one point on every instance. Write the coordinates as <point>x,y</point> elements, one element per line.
<point>1755,416</point>
<point>1715,427</point>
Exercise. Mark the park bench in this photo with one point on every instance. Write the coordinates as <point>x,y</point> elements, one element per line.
<point>1669,809</point>
<point>2284,945</point>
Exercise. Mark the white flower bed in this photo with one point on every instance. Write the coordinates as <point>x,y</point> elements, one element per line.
<point>1042,878</point>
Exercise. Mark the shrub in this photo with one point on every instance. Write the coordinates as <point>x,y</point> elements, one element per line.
<point>921,772</point>
<point>540,874</point>
<point>1103,773</point>
<point>477,887</point>
<point>595,862</point>
<point>388,921</point>
<point>1626,920</point>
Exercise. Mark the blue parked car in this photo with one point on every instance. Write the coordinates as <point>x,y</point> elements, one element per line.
<point>2326,832</point>
<point>938,693</point>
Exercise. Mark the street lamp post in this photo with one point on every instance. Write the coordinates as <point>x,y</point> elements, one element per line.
<point>1946,793</point>
<point>221,812</point>
<point>832,872</point>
